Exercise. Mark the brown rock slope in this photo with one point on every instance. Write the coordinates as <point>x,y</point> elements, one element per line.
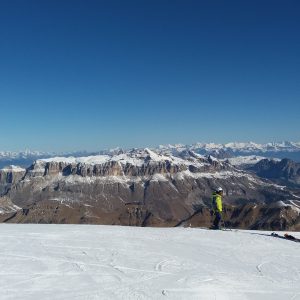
<point>276,216</point>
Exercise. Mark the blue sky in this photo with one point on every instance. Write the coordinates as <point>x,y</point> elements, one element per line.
<point>90,75</point>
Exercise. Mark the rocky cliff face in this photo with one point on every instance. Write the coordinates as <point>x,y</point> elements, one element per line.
<point>285,172</point>
<point>9,176</point>
<point>140,187</point>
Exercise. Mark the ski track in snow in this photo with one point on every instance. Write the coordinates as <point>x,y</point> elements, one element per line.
<point>110,262</point>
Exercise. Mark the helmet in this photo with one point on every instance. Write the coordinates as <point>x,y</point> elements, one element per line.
<point>219,189</point>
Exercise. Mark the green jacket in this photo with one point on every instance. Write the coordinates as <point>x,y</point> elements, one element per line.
<point>216,202</point>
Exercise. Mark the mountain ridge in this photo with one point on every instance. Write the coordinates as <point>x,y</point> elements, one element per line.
<point>285,149</point>
<point>140,185</point>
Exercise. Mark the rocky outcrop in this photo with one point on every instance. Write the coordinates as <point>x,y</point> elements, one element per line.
<point>9,176</point>
<point>139,187</point>
<point>170,194</point>
<point>286,171</point>
<point>7,207</point>
<point>275,216</point>
<point>48,212</point>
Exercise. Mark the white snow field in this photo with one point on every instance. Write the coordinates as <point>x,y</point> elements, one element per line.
<point>112,262</point>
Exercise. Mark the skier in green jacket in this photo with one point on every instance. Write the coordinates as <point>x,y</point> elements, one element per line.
<point>217,207</point>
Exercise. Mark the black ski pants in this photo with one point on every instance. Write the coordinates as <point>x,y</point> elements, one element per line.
<point>217,220</point>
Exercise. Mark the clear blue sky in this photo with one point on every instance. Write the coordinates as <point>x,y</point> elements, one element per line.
<point>90,75</point>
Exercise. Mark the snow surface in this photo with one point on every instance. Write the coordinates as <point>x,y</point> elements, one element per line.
<point>137,157</point>
<point>247,147</point>
<point>244,160</point>
<point>9,209</point>
<point>247,160</point>
<point>95,159</point>
<point>238,146</point>
<point>223,174</point>
<point>13,168</point>
<point>112,262</point>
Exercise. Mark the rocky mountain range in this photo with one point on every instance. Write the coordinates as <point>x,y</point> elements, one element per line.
<point>284,172</point>
<point>285,149</point>
<point>27,157</point>
<point>138,187</point>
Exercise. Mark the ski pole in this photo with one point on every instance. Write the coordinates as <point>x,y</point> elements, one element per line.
<point>224,223</point>
<point>225,228</point>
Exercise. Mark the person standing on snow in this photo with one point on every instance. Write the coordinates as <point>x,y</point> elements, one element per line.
<point>217,207</point>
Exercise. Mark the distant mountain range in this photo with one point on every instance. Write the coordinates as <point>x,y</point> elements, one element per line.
<point>271,150</point>
<point>285,149</point>
<point>284,172</point>
<point>143,187</point>
<point>238,146</point>
<point>27,157</point>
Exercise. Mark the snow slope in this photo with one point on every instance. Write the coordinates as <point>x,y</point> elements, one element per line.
<point>13,168</point>
<point>136,157</point>
<point>246,160</point>
<point>111,262</point>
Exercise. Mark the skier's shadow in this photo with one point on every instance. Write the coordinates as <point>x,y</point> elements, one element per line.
<point>269,235</point>
<point>263,234</point>
<point>254,233</point>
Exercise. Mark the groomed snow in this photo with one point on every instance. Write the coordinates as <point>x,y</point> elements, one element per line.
<point>111,262</point>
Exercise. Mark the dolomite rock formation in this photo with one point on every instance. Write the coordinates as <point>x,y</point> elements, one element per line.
<point>139,187</point>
